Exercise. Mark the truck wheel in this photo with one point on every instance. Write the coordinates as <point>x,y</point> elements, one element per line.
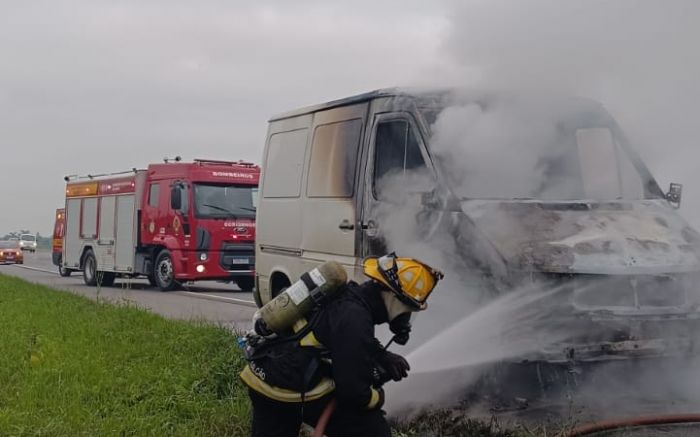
<point>152,280</point>
<point>64,271</point>
<point>164,273</point>
<point>245,283</point>
<point>90,269</point>
<point>107,279</point>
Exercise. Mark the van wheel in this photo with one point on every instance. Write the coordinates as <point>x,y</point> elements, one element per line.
<point>164,273</point>
<point>90,269</point>
<point>245,283</point>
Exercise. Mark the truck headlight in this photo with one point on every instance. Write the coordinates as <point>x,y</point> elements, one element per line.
<point>200,268</point>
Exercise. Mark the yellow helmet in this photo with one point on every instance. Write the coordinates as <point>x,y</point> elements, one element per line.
<point>411,280</point>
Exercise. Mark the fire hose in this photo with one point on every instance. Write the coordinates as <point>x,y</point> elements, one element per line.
<point>609,425</point>
<point>323,420</point>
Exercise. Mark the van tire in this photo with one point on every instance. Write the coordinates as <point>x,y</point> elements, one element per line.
<point>245,283</point>
<point>90,268</point>
<point>164,271</point>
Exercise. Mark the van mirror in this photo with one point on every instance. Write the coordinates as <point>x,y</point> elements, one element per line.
<point>175,198</point>
<point>674,195</point>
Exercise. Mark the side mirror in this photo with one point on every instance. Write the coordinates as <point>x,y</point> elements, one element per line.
<point>175,198</point>
<point>674,195</point>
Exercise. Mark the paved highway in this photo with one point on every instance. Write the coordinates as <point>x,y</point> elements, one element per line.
<point>211,301</point>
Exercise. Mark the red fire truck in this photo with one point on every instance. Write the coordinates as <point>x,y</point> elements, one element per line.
<point>171,223</point>
<point>59,227</point>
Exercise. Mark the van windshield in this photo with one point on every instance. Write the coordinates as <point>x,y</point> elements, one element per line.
<point>514,155</point>
<point>225,201</point>
<point>28,237</point>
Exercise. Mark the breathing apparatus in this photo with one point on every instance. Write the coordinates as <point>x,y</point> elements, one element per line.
<point>313,289</point>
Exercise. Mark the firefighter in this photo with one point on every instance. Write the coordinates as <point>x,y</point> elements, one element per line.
<point>336,355</point>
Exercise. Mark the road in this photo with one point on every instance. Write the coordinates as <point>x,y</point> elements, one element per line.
<point>212,301</point>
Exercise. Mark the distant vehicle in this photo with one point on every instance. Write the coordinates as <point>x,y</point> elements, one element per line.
<point>59,229</point>
<point>28,242</point>
<point>592,221</point>
<point>10,252</point>
<point>171,223</point>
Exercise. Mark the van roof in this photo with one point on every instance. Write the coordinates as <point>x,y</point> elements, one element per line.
<point>384,92</point>
<point>429,96</point>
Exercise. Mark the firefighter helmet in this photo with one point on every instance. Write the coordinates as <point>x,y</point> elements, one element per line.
<point>411,280</point>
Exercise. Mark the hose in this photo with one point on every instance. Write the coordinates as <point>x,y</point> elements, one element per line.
<point>323,420</point>
<point>608,425</point>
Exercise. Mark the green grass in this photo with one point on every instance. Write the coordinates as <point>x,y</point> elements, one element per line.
<point>70,366</point>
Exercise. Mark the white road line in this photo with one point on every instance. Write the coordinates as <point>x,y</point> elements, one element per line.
<point>22,266</point>
<point>249,303</point>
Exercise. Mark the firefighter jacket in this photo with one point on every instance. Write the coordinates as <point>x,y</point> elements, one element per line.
<point>342,333</point>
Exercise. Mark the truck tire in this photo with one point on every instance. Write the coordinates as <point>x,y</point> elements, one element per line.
<point>152,280</point>
<point>90,268</point>
<point>164,272</point>
<point>245,283</point>
<point>107,279</point>
<point>64,272</point>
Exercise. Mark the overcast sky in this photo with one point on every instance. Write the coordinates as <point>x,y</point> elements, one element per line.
<point>97,86</point>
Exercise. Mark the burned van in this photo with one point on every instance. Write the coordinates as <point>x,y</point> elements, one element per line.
<point>521,189</point>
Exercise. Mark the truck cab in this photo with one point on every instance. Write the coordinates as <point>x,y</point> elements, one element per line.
<point>198,221</point>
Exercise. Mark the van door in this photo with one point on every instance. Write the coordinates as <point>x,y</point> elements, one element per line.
<point>398,171</point>
<point>330,206</point>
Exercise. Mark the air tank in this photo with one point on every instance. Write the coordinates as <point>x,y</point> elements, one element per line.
<point>313,288</point>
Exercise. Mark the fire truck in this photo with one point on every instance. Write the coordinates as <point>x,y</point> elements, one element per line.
<point>172,223</point>
<point>59,227</point>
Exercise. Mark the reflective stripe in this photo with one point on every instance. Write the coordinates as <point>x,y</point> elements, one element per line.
<point>323,388</point>
<point>310,340</point>
<point>374,399</point>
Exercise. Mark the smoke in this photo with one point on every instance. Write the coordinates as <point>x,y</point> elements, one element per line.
<point>636,57</point>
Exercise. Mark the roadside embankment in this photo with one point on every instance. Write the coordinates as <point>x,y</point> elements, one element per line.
<point>72,366</point>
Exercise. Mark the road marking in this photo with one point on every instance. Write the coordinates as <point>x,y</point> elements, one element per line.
<point>22,266</point>
<point>249,303</point>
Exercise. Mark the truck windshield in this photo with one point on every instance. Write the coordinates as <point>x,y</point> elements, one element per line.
<point>225,201</point>
<point>27,237</point>
<point>509,157</point>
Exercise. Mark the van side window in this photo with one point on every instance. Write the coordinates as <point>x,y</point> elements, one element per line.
<point>333,159</point>
<point>284,164</point>
<point>395,150</point>
<point>153,195</point>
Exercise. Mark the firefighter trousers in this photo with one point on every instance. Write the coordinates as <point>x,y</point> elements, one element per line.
<point>273,418</point>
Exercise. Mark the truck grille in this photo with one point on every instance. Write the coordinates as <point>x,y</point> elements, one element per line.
<point>237,256</point>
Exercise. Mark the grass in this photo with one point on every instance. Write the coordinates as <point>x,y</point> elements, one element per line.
<point>70,366</point>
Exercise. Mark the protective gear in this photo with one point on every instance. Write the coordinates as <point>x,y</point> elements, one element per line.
<point>395,306</point>
<point>400,326</point>
<point>312,289</point>
<point>411,280</point>
<point>395,366</point>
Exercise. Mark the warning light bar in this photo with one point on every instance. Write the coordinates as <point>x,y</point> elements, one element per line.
<point>83,189</point>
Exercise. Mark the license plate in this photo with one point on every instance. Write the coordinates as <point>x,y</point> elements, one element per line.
<point>239,260</point>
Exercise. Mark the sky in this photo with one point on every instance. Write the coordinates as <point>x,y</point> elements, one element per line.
<point>101,86</point>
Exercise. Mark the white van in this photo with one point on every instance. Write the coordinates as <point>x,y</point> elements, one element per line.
<point>593,218</point>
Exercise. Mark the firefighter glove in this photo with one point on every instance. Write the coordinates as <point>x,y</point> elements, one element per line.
<point>395,365</point>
